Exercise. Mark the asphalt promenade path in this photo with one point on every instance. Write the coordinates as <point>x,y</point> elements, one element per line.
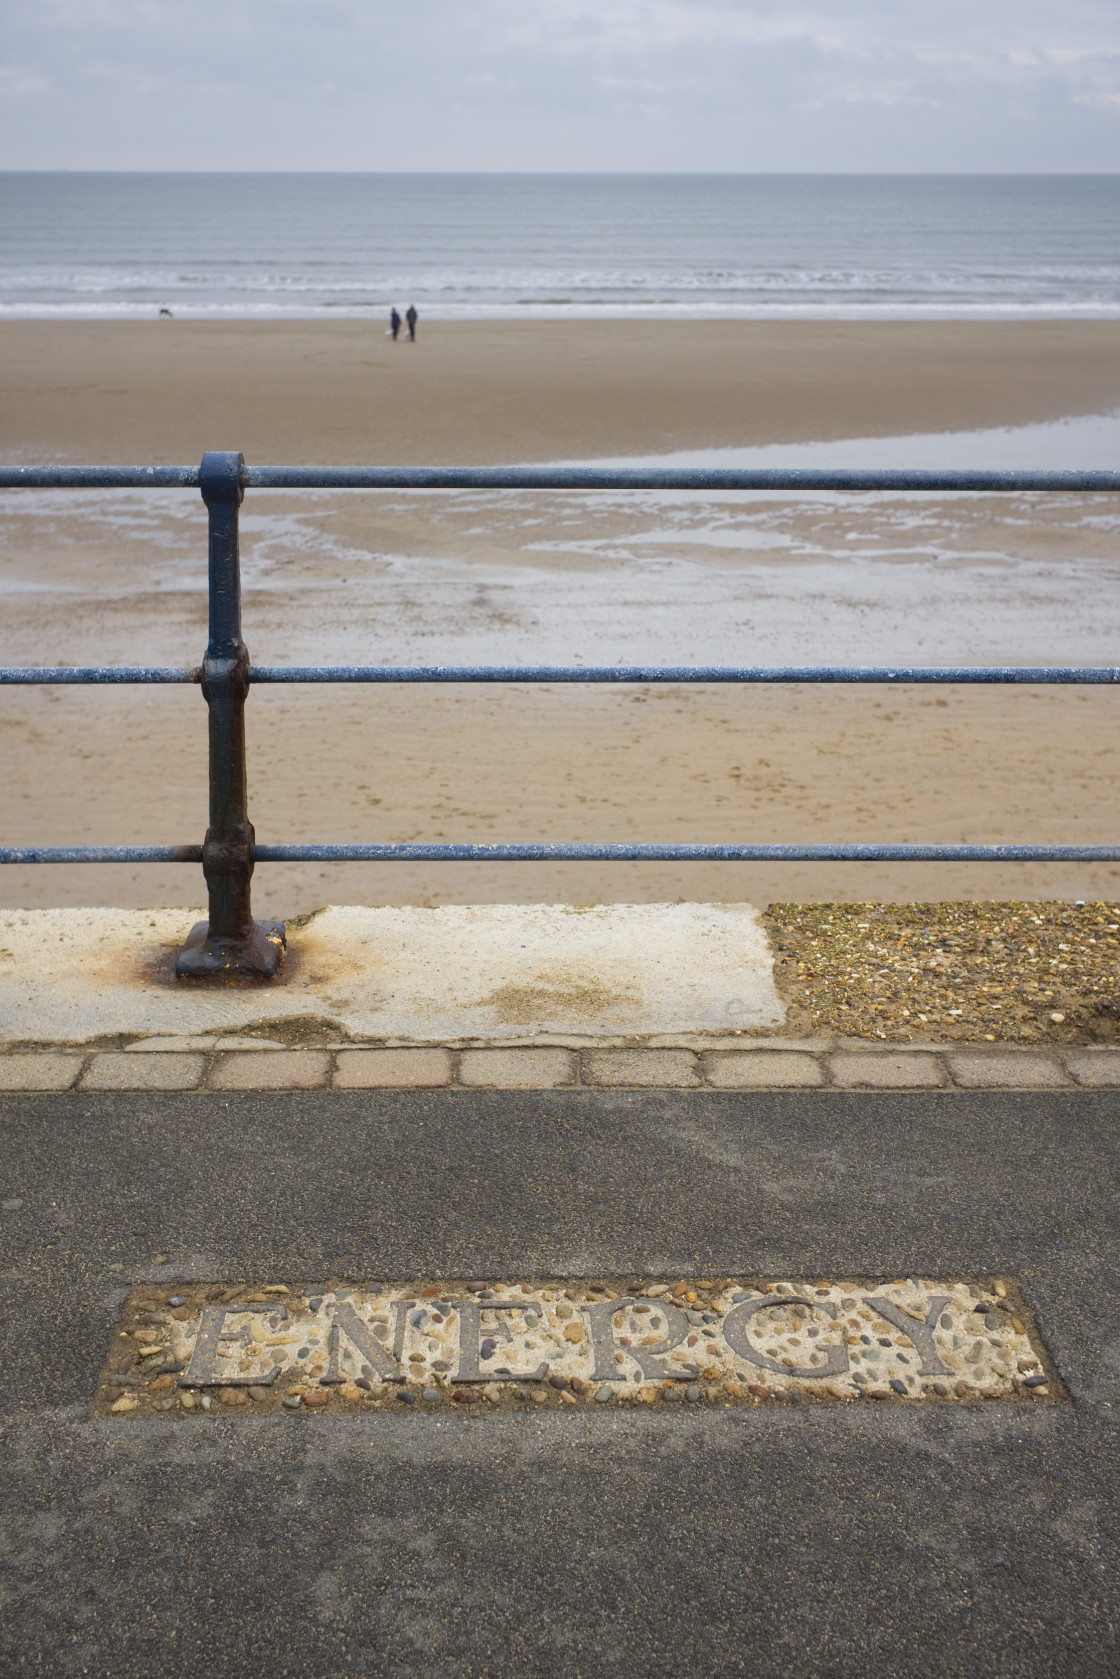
<point>866,1539</point>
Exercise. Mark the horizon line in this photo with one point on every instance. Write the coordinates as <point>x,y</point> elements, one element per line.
<point>593,174</point>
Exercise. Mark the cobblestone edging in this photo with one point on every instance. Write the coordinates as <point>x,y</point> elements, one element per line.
<point>776,1065</point>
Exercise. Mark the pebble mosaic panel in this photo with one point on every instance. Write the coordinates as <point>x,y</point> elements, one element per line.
<point>210,1349</point>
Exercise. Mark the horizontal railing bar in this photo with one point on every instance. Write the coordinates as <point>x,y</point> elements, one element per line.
<point>99,478</point>
<point>560,478</point>
<point>666,478</point>
<point>576,851</point>
<point>101,854</point>
<point>592,852</point>
<point>1062,675</point>
<point>70,675</point>
<point>1083,674</point>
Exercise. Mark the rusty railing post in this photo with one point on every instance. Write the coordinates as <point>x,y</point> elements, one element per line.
<point>231,944</point>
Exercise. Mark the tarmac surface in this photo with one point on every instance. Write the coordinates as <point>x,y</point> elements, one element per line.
<point>883,1540</point>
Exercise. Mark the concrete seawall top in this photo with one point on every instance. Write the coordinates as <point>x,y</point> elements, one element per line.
<point>476,974</point>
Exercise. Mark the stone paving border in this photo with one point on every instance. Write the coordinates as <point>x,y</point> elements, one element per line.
<point>779,1065</point>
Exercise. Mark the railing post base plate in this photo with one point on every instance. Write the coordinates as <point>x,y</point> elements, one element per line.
<point>214,956</point>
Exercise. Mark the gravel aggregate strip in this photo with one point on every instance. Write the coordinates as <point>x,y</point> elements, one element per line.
<point>945,973</point>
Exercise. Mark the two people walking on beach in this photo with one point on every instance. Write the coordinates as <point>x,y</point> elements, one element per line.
<point>395,322</point>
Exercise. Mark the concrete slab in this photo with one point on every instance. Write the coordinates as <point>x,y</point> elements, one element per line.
<point>39,1072</point>
<point>517,1069</point>
<point>393,1069</point>
<point>905,1071</point>
<point>284,1069</point>
<point>463,973</point>
<point>745,1069</point>
<point>1099,1068</point>
<point>641,1068</point>
<point>208,1045</point>
<point>1006,1071</point>
<point>154,1072</point>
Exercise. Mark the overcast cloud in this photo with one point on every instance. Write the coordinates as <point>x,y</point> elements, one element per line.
<point>561,84</point>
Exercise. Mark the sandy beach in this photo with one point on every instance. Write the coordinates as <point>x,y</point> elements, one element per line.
<point>477,391</point>
<point>420,578</point>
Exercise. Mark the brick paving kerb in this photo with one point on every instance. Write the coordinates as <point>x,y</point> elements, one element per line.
<point>788,1066</point>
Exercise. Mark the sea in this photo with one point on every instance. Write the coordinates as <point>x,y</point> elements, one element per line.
<point>520,246</point>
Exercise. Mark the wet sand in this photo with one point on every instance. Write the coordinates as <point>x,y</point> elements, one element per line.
<point>420,579</point>
<point>291,391</point>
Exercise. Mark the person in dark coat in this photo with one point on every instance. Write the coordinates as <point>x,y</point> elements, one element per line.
<point>394,321</point>
<point>412,317</point>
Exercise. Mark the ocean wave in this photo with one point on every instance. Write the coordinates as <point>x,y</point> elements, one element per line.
<point>526,310</point>
<point>464,247</point>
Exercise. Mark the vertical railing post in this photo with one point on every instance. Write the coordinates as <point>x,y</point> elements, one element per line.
<point>230,944</point>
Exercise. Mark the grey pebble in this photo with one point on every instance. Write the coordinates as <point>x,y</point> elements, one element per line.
<point>899,1387</point>
<point>692,1394</point>
<point>343,1293</point>
<point>177,1300</point>
<point>304,1352</point>
<point>941,1390</point>
<point>604,1395</point>
<point>313,1305</point>
<point>431,1395</point>
<point>558,1381</point>
<point>671,1394</point>
<point>123,1381</point>
<point>406,1396</point>
<point>794,1396</point>
<point>1034,1381</point>
<point>489,1348</point>
<point>693,1315</point>
<point>946,1321</point>
<point>292,1401</point>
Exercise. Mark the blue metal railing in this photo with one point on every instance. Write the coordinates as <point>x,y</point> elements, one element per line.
<point>231,943</point>
<point>1032,675</point>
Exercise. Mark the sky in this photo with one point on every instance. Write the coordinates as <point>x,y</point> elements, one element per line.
<point>735,85</point>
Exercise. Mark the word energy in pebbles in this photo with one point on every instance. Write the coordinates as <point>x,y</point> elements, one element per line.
<point>298,1347</point>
